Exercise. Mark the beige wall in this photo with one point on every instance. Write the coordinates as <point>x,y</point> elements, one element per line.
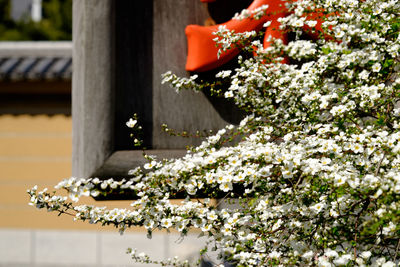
<point>35,150</point>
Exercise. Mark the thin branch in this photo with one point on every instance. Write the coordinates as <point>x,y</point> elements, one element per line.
<point>397,250</point>
<point>379,164</point>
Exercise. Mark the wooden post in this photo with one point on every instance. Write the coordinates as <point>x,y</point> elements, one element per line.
<point>92,85</point>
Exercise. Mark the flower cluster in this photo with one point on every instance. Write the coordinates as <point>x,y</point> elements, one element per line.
<point>256,13</point>
<point>312,175</point>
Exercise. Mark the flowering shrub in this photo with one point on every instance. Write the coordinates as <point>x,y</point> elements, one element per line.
<point>318,159</point>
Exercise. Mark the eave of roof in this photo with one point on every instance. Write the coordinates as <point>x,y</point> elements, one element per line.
<point>35,61</point>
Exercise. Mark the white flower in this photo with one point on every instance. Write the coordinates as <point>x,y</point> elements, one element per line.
<point>166,223</point>
<point>226,187</point>
<point>275,254</point>
<point>376,67</point>
<point>331,253</point>
<point>148,224</point>
<point>342,260</point>
<point>366,255</point>
<point>150,165</point>
<point>212,216</point>
<point>308,255</point>
<point>357,148</point>
<point>338,110</point>
<point>298,23</point>
<point>267,24</point>
<point>317,208</point>
<point>339,33</point>
<point>131,123</point>
<point>85,191</point>
<point>206,228</point>
<point>228,94</point>
<point>363,75</point>
<point>311,23</point>
<point>389,264</point>
<point>226,231</point>
<point>324,262</point>
<point>377,10</point>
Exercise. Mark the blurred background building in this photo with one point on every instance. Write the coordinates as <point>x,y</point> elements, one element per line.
<point>26,9</point>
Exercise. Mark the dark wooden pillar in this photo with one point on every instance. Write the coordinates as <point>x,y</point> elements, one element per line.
<point>92,85</point>
<point>187,110</point>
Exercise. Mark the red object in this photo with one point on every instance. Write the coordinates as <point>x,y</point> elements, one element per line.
<point>202,50</point>
<point>207,1</point>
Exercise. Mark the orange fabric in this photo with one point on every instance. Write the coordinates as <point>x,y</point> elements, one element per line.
<point>202,50</point>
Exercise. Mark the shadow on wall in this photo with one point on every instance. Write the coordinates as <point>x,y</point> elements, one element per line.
<point>39,97</point>
<point>226,108</point>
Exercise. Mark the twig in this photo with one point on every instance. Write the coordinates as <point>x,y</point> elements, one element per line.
<point>219,202</point>
<point>397,250</point>
<point>355,239</point>
<point>380,163</point>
